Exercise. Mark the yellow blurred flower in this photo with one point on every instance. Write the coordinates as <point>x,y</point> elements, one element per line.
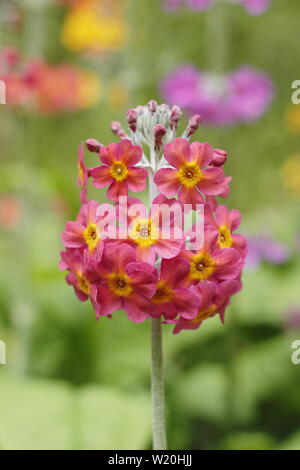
<point>293,119</point>
<point>290,173</point>
<point>118,95</point>
<point>95,25</point>
<point>89,92</point>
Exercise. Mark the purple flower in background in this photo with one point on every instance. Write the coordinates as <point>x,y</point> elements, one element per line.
<point>174,5</point>
<point>292,318</point>
<point>254,7</point>
<point>265,248</point>
<point>241,96</point>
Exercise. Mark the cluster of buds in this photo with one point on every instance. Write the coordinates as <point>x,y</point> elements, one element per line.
<point>152,126</point>
<point>142,259</point>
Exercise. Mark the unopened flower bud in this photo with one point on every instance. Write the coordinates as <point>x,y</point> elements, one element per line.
<point>152,105</point>
<point>175,117</point>
<point>131,118</point>
<point>219,157</point>
<point>159,132</point>
<point>193,125</point>
<point>118,130</point>
<point>93,145</point>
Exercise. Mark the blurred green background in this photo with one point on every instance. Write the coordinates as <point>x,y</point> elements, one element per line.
<point>73,383</point>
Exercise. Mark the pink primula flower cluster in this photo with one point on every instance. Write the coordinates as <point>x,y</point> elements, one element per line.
<point>118,255</point>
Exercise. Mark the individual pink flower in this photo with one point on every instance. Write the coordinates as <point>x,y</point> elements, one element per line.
<point>192,175</point>
<point>211,262</point>
<point>226,222</point>
<point>119,171</point>
<point>83,174</point>
<point>81,276</point>
<point>152,232</point>
<point>125,283</point>
<point>171,298</point>
<point>214,298</point>
<point>87,230</point>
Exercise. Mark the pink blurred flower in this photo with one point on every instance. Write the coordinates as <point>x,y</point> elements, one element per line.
<point>241,96</point>
<point>119,170</point>
<point>191,175</point>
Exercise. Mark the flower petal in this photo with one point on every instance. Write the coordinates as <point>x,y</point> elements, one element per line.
<point>167,181</point>
<point>168,248</point>
<point>178,152</point>
<point>108,154</point>
<point>72,237</point>
<point>190,196</point>
<point>211,183</point>
<point>102,176</point>
<point>129,154</point>
<point>107,300</point>
<point>137,307</point>
<point>137,179</point>
<point>202,153</point>
<point>173,271</point>
<point>117,189</point>
<point>186,302</point>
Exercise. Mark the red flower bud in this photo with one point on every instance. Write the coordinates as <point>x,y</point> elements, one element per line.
<point>93,145</point>
<point>193,125</point>
<point>131,118</point>
<point>219,157</point>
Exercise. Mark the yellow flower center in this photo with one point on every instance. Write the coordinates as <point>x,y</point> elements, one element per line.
<point>119,284</point>
<point>205,314</point>
<point>163,293</point>
<point>202,266</point>
<point>144,232</point>
<point>119,171</point>
<point>82,283</point>
<point>190,174</point>
<point>225,238</point>
<point>91,236</point>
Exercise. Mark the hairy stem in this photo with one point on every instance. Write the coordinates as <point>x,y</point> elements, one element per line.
<point>157,379</point>
<point>157,387</point>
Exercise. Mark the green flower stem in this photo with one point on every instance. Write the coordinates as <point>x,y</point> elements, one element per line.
<point>157,376</point>
<point>157,387</point>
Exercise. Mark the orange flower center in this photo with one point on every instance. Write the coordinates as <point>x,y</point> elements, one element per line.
<point>119,170</point>
<point>82,283</point>
<point>225,238</point>
<point>91,236</point>
<point>189,174</point>
<point>163,293</point>
<point>119,284</point>
<point>202,266</point>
